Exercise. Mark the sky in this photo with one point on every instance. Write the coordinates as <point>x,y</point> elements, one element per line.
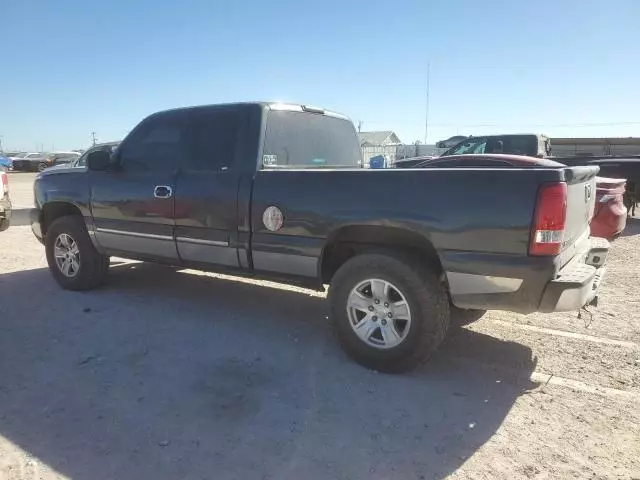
<point>558,67</point>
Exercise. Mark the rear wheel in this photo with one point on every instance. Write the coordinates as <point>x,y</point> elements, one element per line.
<point>42,166</point>
<point>72,258</point>
<point>388,314</point>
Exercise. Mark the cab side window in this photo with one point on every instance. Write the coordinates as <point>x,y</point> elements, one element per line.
<point>213,139</point>
<point>157,144</point>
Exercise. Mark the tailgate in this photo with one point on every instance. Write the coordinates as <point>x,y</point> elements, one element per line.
<point>581,200</point>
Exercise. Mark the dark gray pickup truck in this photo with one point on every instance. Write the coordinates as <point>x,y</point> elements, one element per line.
<point>276,191</point>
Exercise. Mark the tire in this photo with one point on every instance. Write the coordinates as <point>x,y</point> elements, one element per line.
<point>5,223</point>
<point>42,166</point>
<point>90,268</point>
<point>421,289</point>
<point>464,316</point>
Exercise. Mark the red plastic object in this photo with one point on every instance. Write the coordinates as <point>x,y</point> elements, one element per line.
<point>610,215</point>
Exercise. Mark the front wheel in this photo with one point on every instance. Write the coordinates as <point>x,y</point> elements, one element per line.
<point>72,258</point>
<point>389,314</point>
<point>42,166</point>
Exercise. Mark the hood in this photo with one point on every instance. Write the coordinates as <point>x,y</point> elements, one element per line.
<point>59,169</point>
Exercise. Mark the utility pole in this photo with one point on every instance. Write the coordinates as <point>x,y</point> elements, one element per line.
<point>93,138</point>
<point>426,116</point>
<point>1,150</point>
<point>359,126</point>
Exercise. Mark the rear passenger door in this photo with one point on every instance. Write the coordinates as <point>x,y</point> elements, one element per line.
<point>206,208</point>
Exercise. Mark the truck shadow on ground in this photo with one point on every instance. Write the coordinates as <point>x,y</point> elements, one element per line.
<point>167,374</point>
<point>20,217</point>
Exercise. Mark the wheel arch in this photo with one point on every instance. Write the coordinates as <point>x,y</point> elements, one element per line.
<point>56,209</point>
<point>349,241</point>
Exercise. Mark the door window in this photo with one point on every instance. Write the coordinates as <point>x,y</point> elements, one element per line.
<point>157,144</point>
<point>212,139</point>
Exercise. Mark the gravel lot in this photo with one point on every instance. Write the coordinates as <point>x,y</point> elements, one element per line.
<point>170,373</point>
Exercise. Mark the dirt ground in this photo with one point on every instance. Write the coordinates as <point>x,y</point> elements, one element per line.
<point>169,373</point>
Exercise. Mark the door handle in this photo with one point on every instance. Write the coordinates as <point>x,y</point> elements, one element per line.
<point>162,191</point>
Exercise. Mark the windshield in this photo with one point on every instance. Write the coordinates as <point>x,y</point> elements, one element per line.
<point>471,145</point>
<point>309,140</point>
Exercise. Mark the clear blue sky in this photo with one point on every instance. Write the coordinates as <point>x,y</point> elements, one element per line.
<point>556,67</point>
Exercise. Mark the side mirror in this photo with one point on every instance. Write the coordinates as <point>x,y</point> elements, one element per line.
<point>99,160</point>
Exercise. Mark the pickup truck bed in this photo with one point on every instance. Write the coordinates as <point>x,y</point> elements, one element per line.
<point>279,195</point>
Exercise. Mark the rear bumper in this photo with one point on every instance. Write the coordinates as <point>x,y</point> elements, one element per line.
<point>528,284</point>
<point>577,283</point>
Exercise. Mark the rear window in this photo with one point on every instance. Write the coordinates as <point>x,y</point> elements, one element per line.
<point>521,145</point>
<point>308,140</point>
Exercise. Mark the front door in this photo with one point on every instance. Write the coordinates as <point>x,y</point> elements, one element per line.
<point>133,205</point>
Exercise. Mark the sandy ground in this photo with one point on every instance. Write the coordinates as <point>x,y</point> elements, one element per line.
<point>170,373</point>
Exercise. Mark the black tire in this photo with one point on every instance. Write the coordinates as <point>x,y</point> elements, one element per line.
<point>464,316</point>
<point>94,267</point>
<point>42,166</point>
<point>427,299</point>
<point>5,223</point>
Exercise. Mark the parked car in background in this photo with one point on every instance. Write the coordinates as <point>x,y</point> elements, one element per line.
<point>278,191</point>
<point>528,144</point>
<point>610,214</point>
<point>451,141</point>
<point>29,161</point>
<point>411,162</point>
<point>6,163</point>
<point>32,162</point>
<point>59,158</point>
<point>5,202</point>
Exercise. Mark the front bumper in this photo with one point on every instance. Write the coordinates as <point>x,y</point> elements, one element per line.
<point>36,227</point>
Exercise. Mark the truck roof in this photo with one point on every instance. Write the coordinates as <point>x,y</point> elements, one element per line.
<point>293,107</point>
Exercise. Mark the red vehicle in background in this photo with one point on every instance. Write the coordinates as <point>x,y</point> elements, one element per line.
<point>609,217</point>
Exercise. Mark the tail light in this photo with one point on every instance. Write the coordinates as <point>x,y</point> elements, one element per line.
<point>549,219</point>
<point>5,182</point>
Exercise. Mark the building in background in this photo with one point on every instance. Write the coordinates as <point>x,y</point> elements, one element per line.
<point>382,138</point>
<point>389,145</point>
